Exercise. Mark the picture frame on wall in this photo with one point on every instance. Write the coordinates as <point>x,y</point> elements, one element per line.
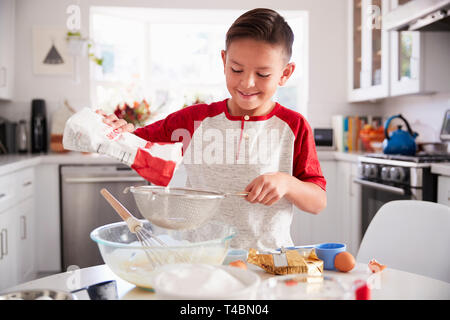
<point>50,51</point>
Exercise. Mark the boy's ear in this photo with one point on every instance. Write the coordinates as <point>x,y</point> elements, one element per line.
<point>287,72</point>
<point>224,57</point>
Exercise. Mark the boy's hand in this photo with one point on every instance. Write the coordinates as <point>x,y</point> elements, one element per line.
<point>118,124</point>
<point>267,188</point>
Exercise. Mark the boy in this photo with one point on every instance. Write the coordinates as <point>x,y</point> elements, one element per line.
<point>256,61</point>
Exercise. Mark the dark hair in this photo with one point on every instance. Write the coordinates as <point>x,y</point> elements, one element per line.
<point>264,25</point>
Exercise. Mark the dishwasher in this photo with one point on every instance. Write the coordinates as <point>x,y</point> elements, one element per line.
<point>83,208</point>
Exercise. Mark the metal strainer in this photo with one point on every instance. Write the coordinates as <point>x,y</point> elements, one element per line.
<point>177,208</point>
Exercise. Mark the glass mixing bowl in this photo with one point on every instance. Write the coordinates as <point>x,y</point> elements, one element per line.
<point>123,253</point>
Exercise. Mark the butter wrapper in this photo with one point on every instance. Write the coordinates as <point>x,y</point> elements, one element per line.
<point>287,262</point>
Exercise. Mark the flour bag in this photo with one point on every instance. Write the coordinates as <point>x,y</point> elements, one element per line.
<point>156,162</point>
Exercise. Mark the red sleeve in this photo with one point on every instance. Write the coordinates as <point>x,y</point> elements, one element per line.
<point>306,166</point>
<point>180,125</point>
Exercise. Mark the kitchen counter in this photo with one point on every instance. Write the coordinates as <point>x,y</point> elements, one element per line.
<point>441,168</point>
<point>389,284</point>
<point>9,163</point>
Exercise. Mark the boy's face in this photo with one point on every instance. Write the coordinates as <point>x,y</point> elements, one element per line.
<point>253,72</point>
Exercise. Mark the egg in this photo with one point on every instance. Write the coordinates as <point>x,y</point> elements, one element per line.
<point>238,264</point>
<point>344,261</point>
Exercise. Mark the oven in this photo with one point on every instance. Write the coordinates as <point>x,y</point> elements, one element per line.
<point>385,178</point>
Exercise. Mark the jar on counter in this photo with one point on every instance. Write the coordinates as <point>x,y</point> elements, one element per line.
<point>22,137</point>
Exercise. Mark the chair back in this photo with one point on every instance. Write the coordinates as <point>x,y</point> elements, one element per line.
<point>412,236</point>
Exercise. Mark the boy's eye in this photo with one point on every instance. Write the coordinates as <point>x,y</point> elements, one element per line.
<point>259,74</point>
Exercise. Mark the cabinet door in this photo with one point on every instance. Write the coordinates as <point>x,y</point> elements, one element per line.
<point>369,50</point>
<point>343,209</point>
<point>7,192</point>
<point>354,223</point>
<point>341,220</point>
<point>444,190</point>
<point>7,13</point>
<point>309,228</point>
<point>405,62</point>
<point>405,59</point>
<point>8,248</point>
<point>25,240</point>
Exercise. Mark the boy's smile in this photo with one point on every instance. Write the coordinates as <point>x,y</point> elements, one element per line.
<point>254,70</point>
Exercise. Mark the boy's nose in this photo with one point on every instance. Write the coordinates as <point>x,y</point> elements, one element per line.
<point>248,81</point>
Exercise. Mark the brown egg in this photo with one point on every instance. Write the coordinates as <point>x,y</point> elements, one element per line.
<point>344,261</point>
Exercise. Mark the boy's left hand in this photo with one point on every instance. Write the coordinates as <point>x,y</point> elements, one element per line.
<point>268,188</point>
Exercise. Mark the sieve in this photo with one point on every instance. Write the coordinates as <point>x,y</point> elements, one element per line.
<point>178,208</point>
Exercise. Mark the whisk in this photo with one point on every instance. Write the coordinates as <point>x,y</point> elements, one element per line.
<point>146,239</point>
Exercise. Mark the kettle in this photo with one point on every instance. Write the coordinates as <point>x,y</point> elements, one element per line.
<point>400,141</point>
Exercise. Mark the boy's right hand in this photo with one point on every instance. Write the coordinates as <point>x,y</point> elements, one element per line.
<point>113,121</point>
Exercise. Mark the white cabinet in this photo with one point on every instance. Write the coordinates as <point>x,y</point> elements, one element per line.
<point>419,62</point>
<point>17,241</point>
<point>368,55</point>
<point>352,197</point>
<point>48,226</point>
<point>389,63</point>
<point>341,220</point>
<point>7,14</point>
<point>25,259</point>
<point>8,248</point>
<point>444,190</point>
<point>307,228</point>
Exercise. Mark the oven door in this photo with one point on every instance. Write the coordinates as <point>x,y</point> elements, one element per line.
<point>374,195</point>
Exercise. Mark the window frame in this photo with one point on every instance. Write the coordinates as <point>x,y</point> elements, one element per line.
<point>156,15</point>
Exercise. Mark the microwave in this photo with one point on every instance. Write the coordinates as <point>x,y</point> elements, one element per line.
<point>323,137</point>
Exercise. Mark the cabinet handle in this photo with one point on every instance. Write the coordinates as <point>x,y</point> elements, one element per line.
<point>3,77</point>
<point>380,186</point>
<point>27,183</point>
<point>2,195</point>
<point>6,238</point>
<point>351,185</point>
<point>1,245</point>
<point>24,227</point>
<point>5,252</point>
<point>103,179</point>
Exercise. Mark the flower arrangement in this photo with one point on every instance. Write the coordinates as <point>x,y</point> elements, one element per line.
<point>138,114</point>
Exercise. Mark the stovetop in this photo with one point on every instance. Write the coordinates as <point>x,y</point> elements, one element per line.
<point>418,158</point>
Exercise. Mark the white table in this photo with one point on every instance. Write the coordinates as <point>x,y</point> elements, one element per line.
<point>389,284</point>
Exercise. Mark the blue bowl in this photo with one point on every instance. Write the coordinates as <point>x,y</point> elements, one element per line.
<point>327,252</point>
<point>235,254</point>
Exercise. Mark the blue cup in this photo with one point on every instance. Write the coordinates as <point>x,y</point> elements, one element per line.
<point>327,252</point>
<point>235,254</point>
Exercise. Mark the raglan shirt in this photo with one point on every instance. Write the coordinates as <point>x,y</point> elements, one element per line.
<point>224,153</point>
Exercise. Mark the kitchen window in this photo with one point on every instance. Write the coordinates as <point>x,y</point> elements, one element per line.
<point>171,57</point>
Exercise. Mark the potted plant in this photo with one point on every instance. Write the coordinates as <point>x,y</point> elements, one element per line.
<point>79,46</point>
